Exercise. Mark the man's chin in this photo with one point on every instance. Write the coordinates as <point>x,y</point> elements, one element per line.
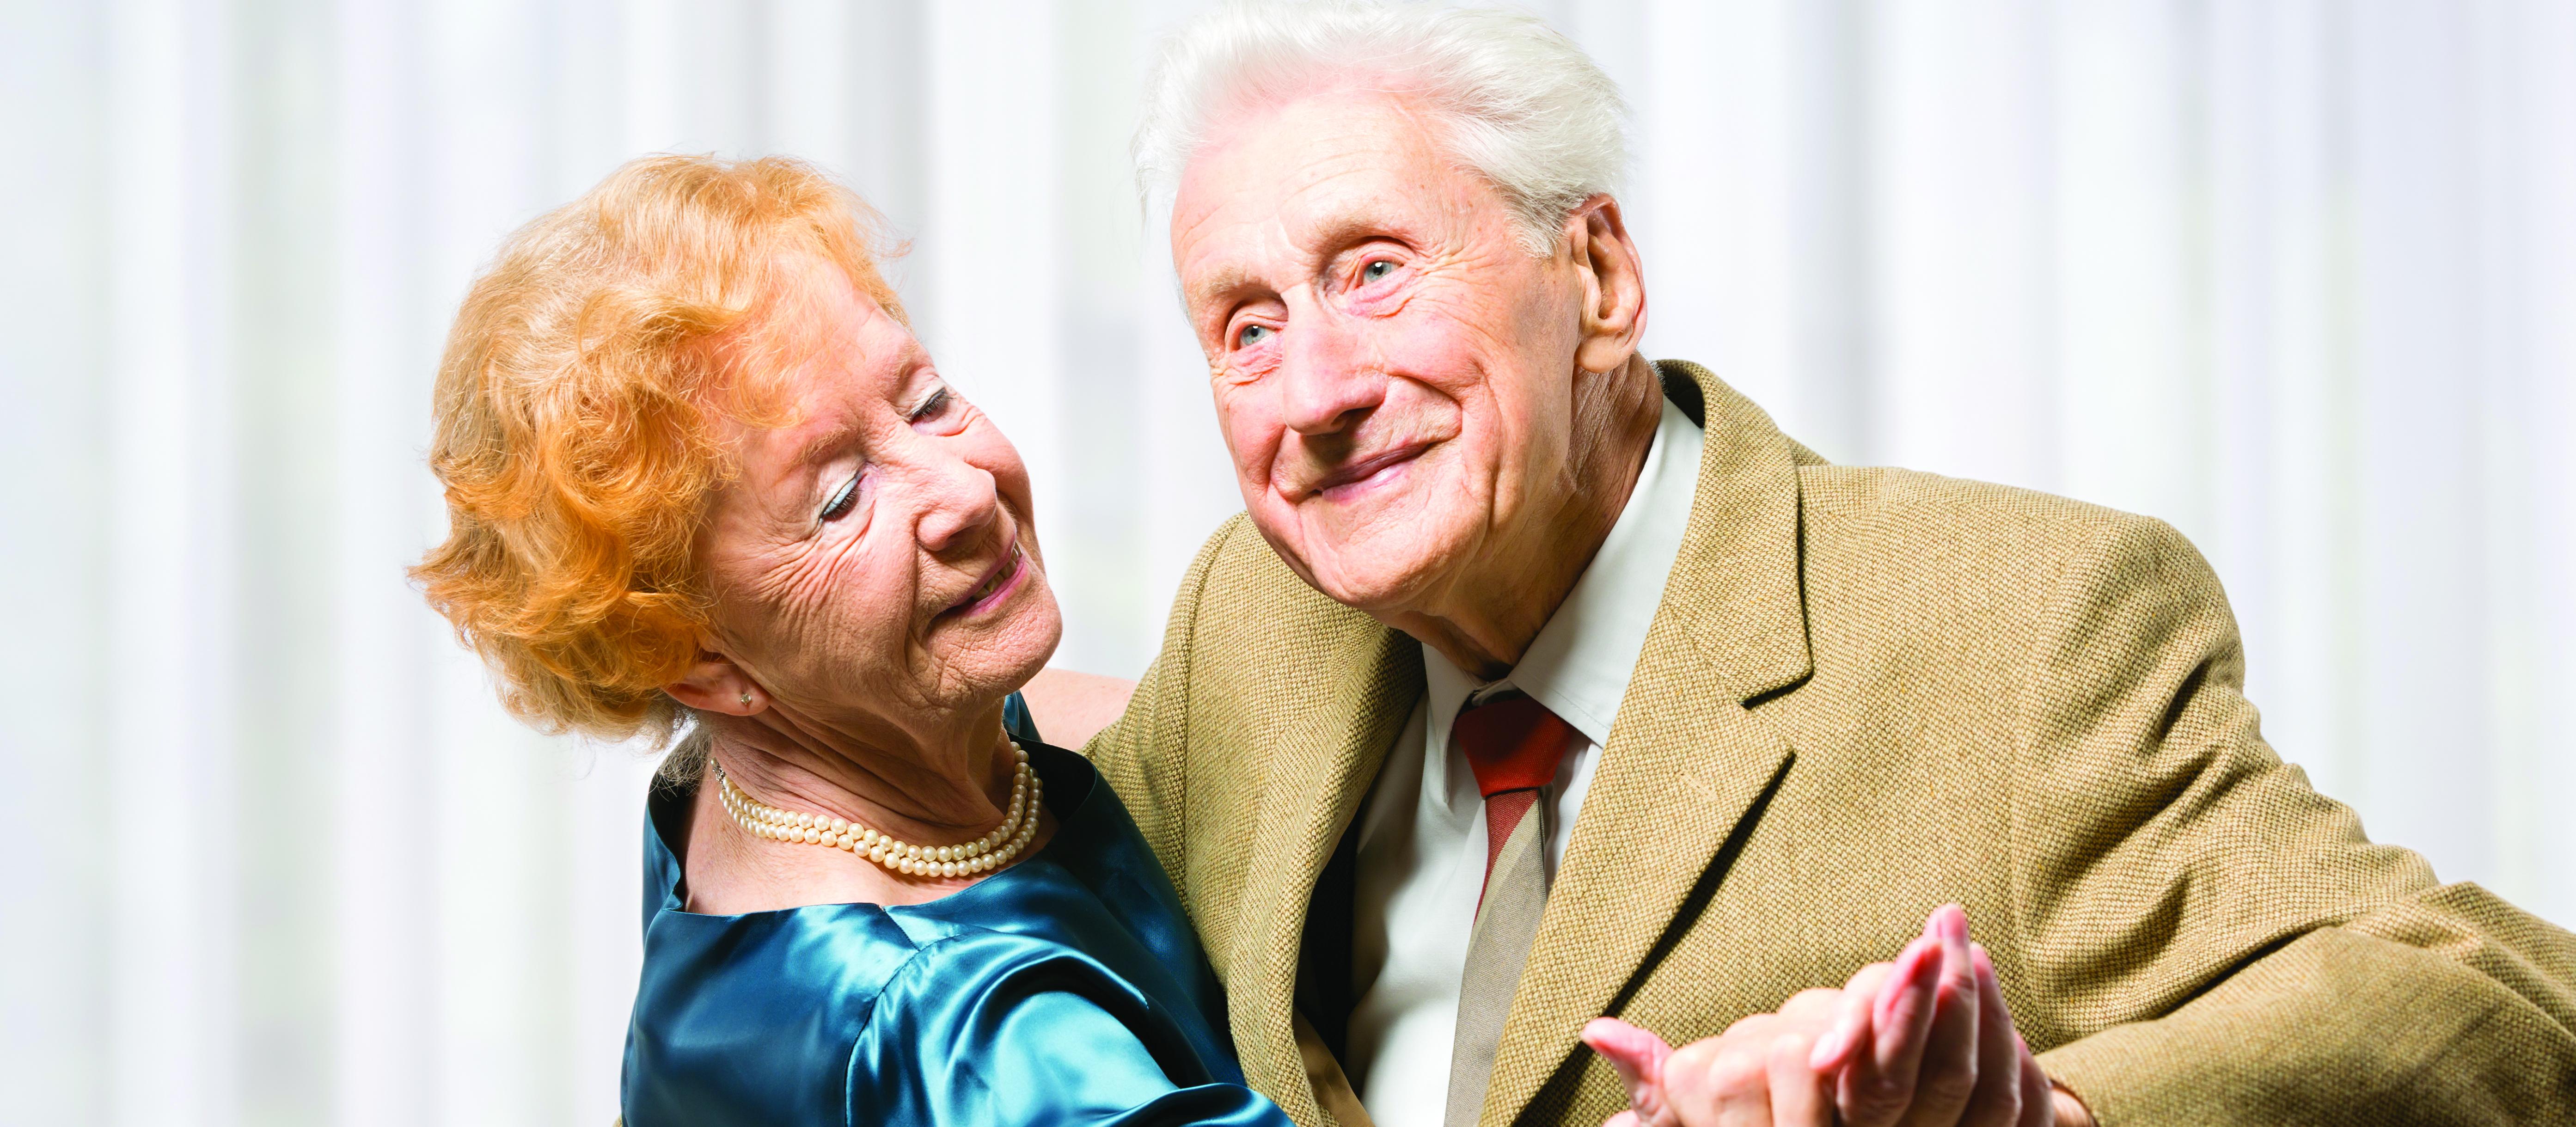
<point>1381,556</point>
<point>1368,575</point>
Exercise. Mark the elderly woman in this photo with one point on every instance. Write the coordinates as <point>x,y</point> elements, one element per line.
<point>702,483</point>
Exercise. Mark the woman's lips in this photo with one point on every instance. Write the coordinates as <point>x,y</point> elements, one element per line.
<point>997,586</point>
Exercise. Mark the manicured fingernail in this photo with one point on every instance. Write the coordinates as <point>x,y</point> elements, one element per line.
<point>1827,1048</point>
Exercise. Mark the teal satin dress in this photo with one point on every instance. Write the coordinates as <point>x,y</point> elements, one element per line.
<point>1066,989</point>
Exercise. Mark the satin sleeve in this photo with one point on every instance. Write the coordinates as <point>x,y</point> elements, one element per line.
<point>993,1029</point>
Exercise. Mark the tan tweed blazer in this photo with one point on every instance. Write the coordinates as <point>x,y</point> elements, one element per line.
<point>1868,692</point>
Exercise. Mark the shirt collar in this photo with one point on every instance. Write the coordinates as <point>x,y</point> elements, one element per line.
<point>1579,664</point>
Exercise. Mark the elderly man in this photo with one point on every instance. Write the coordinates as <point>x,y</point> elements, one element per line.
<point>1540,682</point>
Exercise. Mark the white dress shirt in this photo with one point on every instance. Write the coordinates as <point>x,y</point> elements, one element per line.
<point>1422,835</point>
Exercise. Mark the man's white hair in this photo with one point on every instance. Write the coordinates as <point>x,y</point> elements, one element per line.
<point>1518,102</point>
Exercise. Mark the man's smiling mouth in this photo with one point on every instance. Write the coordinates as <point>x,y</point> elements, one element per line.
<point>1367,474</point>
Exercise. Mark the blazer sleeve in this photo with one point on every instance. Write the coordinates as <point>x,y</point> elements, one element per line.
<point>2206,939</point>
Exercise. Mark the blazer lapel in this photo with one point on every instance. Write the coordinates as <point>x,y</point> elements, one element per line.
<point>1686,761</point>
<point>1315,782</point>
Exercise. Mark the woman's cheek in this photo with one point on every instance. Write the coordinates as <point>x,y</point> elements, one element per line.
<point>871,614</point>
<point>808,602</point>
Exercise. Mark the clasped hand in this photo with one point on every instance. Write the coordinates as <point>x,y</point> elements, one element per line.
<point>1922,1040</point>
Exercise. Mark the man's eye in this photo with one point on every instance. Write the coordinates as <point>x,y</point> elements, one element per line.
<point>1377,269</point>
<point>843,500</point>
<point>1250,335</point>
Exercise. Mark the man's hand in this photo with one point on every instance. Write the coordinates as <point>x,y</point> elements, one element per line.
<point>1922,1041</point>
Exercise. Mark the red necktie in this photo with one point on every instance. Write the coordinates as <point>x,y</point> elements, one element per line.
<point>1513,744</point>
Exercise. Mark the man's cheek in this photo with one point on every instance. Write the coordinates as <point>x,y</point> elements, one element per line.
<point>1434,343</point>
<point>1251,436</point>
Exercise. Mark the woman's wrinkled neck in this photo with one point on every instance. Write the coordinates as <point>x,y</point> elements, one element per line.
<point>942,786</point>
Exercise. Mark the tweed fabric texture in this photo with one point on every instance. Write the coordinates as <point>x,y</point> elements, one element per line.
<point>1869,692</point>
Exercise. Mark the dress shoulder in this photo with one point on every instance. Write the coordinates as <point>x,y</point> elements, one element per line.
<point>991,1028</point>
<point>748,1019</point>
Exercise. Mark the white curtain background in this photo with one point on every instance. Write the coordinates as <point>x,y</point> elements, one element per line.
<point>2298,276</point>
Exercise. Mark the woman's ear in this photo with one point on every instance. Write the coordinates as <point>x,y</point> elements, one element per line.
<point>715,684</point>
<point>1614,285</point>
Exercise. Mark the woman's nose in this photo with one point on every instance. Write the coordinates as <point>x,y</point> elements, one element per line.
<point>961,504</point>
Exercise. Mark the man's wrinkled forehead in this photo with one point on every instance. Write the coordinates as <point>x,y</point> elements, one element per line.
<point>1297,182</point>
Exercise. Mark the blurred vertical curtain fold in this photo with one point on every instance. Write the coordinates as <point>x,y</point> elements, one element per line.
<point>2298,276</point>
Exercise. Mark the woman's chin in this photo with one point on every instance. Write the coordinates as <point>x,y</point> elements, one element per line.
<point>1002,646</point>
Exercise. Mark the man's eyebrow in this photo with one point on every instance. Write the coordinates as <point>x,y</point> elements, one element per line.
<point>1226,281</point>
<point>1340,230</point>
<point>1336,231</point>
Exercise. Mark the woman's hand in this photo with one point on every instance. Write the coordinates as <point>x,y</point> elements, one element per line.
<point>1923,1039</point>
<point>1755,1072</point>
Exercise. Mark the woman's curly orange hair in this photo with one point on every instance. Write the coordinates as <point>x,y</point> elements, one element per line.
<point>575,409</point>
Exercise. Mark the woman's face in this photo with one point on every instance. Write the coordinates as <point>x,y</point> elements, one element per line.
<point>873,562</point>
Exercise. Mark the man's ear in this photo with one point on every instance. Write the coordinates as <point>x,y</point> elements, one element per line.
<point>715,684</point>
<point>1614,284</point>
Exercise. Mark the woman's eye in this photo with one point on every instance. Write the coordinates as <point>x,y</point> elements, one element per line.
<point>933,407</point>
<point>1377,269</point>
<point>843,500</point>
<point>940,414</point>
<point>1250,335</point>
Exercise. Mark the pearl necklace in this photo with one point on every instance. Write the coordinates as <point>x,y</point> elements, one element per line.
<point>982,855</point>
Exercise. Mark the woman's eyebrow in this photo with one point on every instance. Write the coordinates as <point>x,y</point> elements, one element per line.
<point>825,444</point>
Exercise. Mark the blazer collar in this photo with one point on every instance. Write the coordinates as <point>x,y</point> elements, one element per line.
<point>1737,586</point>
<point>1686,759</point>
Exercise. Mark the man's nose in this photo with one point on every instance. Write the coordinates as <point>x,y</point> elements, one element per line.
<point>1325,377</point>
<point>959,506</point>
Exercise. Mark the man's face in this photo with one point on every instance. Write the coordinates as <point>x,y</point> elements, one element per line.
<point>1393,370</point>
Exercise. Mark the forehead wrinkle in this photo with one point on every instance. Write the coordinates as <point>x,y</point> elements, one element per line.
<point>1328,203</point>
<point>1340,194</point>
